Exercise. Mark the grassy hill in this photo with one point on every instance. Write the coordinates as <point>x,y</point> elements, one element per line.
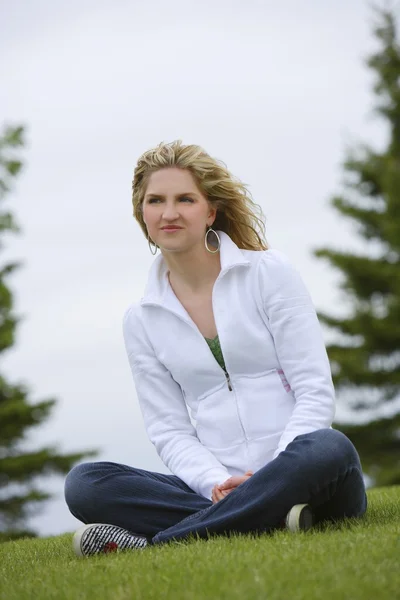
<point>354,559</point>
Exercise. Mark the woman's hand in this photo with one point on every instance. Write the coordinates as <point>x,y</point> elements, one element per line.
<point>218,494</point>
<point>220,491</point>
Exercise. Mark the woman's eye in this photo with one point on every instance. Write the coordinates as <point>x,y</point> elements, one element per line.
<point>184,198</point>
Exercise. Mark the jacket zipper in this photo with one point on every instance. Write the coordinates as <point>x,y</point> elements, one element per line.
<point>228,379</point>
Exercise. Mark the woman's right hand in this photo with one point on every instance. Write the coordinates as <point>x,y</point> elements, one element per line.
<point>220,491</point>
<point>234,481</point>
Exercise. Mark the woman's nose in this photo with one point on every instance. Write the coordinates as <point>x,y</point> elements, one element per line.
<point>170,211</point>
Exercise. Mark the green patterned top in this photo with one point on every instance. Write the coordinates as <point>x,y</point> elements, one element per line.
<point>216,350</point>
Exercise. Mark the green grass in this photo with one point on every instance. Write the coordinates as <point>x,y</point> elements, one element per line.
<point>353,559</point>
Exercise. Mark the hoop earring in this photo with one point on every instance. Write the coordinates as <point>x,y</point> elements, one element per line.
<point>155,252</point>
<point>218,238</point>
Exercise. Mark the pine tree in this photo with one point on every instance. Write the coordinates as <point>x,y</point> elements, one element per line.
<point>365,360</point>
<point>19,495</point>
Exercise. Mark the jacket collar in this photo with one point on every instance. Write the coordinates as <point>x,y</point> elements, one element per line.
<point>158,289</point>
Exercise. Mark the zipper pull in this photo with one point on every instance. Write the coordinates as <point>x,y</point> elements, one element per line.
<point>228,380</point>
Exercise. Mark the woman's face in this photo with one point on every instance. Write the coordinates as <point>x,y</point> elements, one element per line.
<point>172,198</point>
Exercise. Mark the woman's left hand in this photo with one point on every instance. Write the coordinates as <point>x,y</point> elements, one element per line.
<point>220,491</point>
<point>218,494</point>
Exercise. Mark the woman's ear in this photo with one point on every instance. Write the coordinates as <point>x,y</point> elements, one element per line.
<point>212,214</point>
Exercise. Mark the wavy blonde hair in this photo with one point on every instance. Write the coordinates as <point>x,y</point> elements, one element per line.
<point>237,214</point>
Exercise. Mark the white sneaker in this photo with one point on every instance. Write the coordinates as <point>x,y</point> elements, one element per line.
<point>99,537</point>
<point>300,518</point>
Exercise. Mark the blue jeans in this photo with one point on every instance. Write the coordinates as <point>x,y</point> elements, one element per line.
<point>321,469</point>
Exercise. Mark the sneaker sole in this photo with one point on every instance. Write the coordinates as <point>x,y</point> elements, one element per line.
<point>300,518</point>
<point>96,538</point>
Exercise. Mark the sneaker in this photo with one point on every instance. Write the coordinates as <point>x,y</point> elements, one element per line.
<point>99,537</point>
<point>300,518</point>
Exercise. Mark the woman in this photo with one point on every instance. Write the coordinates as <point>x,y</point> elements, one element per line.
<point>227,329</point>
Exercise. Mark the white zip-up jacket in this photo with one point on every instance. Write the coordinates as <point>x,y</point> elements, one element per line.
<point>277,383</point>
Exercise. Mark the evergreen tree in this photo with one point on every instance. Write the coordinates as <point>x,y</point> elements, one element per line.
<point>19,496</point>
<point>365,359</point>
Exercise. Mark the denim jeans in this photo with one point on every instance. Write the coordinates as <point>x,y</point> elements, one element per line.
<point>321,468</point>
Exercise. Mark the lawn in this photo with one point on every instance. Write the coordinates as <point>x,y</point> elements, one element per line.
<point>354,559</point>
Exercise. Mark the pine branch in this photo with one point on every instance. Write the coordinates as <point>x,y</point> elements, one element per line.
<point>19,507</point>
<point>19,467</point>
<point>371,222</point>
<point>24,466</point>
<point>16,417</point>
<point>364,275</point>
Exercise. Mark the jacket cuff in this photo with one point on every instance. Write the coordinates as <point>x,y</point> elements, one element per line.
<point>214,477</point>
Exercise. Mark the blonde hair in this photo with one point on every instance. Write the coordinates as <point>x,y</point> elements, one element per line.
<point>236,211</point>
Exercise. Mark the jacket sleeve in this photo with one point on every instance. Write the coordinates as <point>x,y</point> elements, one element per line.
<point>165,413</point>
<point>299,345</point>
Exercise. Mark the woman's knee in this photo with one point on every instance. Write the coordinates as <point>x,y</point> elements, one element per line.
<point>73,482</point>
<point>337,445</point>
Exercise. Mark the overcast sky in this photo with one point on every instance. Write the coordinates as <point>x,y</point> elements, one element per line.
<point>277,90</point>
